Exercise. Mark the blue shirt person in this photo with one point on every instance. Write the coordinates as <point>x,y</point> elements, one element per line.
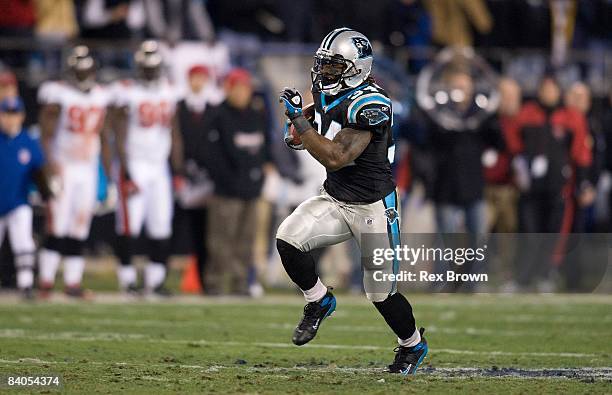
<point>21,158</point>
<point>21,162</point>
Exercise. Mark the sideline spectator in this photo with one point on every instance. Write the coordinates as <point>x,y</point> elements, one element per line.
<point>8,89</point>
<point>193,117</point>
<point>453,21</point>
<point>552,158</point>
<point>186,54</point>
<point>8,85</point>
<point>241,158</point>
<point>21,163</point>
<point>56,20</point>
<point>105,19</point>
<point>606,120</point>
<point>500,193</point>
<point>578,97</point>
<point>178,20</point>
<point>459,177</point>
<point>541,135</point>
<point>17,18</point>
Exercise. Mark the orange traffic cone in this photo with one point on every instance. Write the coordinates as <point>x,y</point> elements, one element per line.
<point>191,278</point>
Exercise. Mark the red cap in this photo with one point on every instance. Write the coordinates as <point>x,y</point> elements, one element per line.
<point>7,78</point>
<point>238,75</point>
<point>198,69</point>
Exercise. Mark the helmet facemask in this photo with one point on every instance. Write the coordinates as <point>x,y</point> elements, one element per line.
<point>329,73</point>
<point>149,62</point>
<point>82,68</point>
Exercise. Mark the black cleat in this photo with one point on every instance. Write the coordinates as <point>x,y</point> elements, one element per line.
<point>78,292</point>
<point>314,314</point>
<point>133,290</point>
<point>162,291</point>
<point>408,359</point>
<point>27,294</point>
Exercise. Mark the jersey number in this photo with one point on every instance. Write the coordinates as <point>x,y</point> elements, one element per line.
<point>150,114</point>
<point>85,119</point>
<point>332,130</point>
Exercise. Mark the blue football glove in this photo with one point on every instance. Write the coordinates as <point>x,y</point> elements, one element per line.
<point>292,101</point>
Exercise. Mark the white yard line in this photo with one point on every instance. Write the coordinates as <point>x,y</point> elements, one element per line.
<point>431,300</point>
<point>454,372</point>
<point>203,323</point>
<point>87,337</point>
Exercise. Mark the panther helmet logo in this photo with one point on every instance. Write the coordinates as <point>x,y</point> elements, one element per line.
<point>364,49</point>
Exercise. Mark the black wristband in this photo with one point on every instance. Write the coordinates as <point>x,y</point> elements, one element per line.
<point>301,124</point>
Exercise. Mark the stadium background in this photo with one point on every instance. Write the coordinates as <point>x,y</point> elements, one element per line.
<point>275,41</point>
<point>480,343</point>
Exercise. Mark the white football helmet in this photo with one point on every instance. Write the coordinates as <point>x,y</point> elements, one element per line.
<point>81,67</point>
<point>149,61</point>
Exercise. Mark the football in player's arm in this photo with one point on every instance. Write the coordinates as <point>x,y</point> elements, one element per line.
<point>350,135</point>
<point>334,154</point>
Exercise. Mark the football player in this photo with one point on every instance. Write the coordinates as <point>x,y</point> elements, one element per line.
<point>72,122</point>
<point>146,137</point>
<point>351,136</point>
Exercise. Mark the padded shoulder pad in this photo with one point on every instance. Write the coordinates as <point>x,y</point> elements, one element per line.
<point>372,116</point>
<point>369,110</point>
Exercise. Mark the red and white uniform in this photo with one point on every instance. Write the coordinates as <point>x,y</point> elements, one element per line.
<point>151,107</point>
<point>76,151</point>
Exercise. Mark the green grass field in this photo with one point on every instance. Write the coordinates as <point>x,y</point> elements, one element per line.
<point>553,344</point>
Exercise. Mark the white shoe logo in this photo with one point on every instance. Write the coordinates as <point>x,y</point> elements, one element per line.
<point>316,325</point>
<point>296,100</point>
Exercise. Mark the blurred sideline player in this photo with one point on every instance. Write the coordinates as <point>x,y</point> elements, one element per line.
<point>72,122</point>
<point>351,137</point>
<point>21,163</point>
<point>146,137</point>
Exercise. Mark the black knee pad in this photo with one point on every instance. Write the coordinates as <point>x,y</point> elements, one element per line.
<point>299,265</point>
<point>72,247</point>
<point>159,251</point>
<point>53,243</point>
<point>284,248</point>
<point>123,249</point>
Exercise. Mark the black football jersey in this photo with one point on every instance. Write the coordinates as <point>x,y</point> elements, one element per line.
<point>367,107</point>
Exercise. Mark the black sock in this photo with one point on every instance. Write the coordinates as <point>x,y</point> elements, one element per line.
<point>123,249</point>
<point>299,265</point>
<point>159,251</point>
<point>396,310</point>
<point>54,244</point>
<point>72,247</point>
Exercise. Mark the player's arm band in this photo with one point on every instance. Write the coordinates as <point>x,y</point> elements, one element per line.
<point>301,124</point>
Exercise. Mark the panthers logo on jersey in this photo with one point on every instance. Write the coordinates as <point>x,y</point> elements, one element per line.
<point>367,108</point>
<point>375,116</point>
